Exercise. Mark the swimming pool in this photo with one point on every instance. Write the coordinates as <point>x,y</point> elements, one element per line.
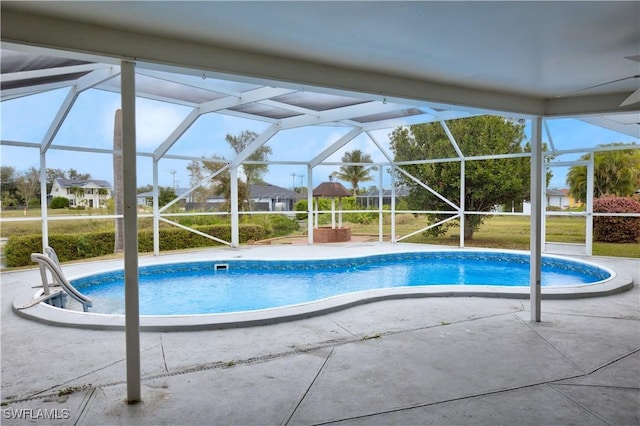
<point>223,286</point>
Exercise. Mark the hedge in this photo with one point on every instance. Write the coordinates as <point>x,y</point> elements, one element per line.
<point>82,246</point>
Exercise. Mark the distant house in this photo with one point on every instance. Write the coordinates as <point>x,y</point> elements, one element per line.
<point>558,198</point>
<point>371,199</point>
<point>82,192</point>
<point>267,197</point>
<point>561,198</point>
<point>263,196</point>
<point>146,198</point>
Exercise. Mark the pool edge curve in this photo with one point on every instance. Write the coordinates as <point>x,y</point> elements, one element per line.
<point>47,314</point>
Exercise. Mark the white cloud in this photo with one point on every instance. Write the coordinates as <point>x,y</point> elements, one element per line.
<point>155,122</point>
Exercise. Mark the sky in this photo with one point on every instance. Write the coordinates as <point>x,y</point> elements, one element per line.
<point>90,123</point>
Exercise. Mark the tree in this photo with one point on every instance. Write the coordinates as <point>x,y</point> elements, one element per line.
<point>222,184</point>
<point>7,175</point>
<point>355,174</point>
<point>8,184</point>
<point>252,172</point>
<point>197,176</point>
<point>614,173</point>
<point>73,174</point>
<point>166,194</point>
<point>28,185</point>
<point>52,175</point>
<point>145,188</point>
<point>487,183</point>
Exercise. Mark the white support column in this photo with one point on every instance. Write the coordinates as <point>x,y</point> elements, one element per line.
<point>393,203</point>
<point>156,211</point>
<point>310,215</point>
<point>462,203</point>
<point>380,202</point>
<point>235,215</point>
<point>543,208</point>
<point>536,217</point>
<point>339,212</point>
<point>129,176</point>
<point>43,200</point>
<point>589,218</point>
<point>333,213</point>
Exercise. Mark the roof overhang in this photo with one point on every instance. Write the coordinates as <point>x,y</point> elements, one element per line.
<point>502,63</point>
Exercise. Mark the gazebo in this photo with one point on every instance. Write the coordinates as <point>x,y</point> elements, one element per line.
<point>333,234</point>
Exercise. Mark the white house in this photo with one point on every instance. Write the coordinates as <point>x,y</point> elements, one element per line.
<point>264,197</point>
<point>82,192</point>
<point>559,198</point>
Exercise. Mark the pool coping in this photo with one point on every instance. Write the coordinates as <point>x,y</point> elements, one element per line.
<point>47,314</point>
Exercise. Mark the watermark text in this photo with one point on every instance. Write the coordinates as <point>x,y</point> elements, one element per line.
<point>35,413</point>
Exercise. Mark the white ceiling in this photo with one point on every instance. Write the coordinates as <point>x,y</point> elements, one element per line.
<point>529,58</point>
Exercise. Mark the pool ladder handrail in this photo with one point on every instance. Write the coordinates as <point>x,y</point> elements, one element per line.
<point>51,263</point>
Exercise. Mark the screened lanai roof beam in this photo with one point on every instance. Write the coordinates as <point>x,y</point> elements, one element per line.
<point>255,144</point>
<point>339,114</point>
<point>288,107</point>
<point>335,146</point>
<point>175,135</point>
<point>379,145</point>
<point>245,98</point>
<point>548,132</point>
<point>248,116</point>
<point>82,84</point>
<point>451,138</point>
<point>50,72</point>
<point>212,106</point>
<point>18,92</point>
<point>185,81</point>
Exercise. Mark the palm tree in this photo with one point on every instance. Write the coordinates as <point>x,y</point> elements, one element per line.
<point>118,184</point>
<point>77,193</point>
<point>355,174</point>
<point>102,194</point>
<point>615,173</point>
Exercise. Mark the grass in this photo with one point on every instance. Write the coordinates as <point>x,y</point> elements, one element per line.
<point>86,224</point>
<point>506,232</point>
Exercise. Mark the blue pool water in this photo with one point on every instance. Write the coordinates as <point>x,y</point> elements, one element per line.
<point>203,288</point>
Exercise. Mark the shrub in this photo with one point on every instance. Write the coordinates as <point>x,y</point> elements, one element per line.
<point>81,246</point>
<point>616,229</point>
<point>348,203</point>
<point>301,206</point>
<point>282,225</point>
<point>59,203</point>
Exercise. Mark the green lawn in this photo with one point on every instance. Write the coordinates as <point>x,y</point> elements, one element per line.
<point>60,226</point>
<point>508,232</point>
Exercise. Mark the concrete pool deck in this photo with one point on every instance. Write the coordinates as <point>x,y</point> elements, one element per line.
<point>461,360</point>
